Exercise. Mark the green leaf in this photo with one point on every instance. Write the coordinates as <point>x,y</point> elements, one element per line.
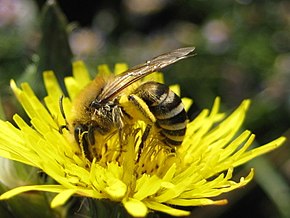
<point>54,51</point>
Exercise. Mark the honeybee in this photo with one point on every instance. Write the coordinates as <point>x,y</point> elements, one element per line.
<point>99,108</point>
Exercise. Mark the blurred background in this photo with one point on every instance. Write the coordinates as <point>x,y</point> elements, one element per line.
<point>243,51</point>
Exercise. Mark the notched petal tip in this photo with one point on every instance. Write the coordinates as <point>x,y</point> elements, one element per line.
<point>51,84</point>
<point>120,68</point>
<point>104,70</point>
<point>80,72</point>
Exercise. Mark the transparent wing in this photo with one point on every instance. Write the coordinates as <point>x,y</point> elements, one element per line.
<point>136,73</point>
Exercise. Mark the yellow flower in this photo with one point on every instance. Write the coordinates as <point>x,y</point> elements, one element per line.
<point>151,180</point>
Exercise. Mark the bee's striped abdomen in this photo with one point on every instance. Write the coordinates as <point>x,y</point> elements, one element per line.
<point>168,110</point>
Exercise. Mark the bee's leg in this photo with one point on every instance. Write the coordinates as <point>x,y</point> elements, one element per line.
<point>63,115</point>
<point>143,108</point>
<point>118,116</point>
<point>82,139</point>
<point>143,139</point>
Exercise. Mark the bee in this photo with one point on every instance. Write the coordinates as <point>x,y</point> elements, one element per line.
<point>99,107</point>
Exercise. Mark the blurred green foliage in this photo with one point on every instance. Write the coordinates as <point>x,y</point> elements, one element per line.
<point>243,51</point>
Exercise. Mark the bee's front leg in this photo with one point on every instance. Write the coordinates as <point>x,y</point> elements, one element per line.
<point>83,136</point>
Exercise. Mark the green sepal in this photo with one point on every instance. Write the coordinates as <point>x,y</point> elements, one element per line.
<point>54,50</point>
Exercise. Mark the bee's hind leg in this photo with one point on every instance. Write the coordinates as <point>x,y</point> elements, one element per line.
<point>83,136</point>
<point>143,139</point>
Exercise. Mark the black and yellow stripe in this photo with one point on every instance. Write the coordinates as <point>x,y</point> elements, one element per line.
<point>171,117</point>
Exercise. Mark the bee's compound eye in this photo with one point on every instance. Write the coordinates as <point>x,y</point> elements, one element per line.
<point>95,104</point>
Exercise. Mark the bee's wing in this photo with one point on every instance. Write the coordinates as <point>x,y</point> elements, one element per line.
<point>136,73</point>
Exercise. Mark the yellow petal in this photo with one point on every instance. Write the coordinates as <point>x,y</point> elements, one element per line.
<point>135,207</point>
<point>149,186</point>
<point>62,197</point>
<point>51,85</point>
<point>170,173</point>
<point>21,189</point>
<point>197,202</point>
<point>176,89</point>
<point>104,70</point>
<point>80,79</point>
<point>120,68</point>
<point>187,102</point>
<point>81,73</point>
<point>260,150</point>
<point>116,189</point>
<point>166,209</point>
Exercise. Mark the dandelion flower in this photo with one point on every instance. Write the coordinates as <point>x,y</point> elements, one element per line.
<point>152,180</point>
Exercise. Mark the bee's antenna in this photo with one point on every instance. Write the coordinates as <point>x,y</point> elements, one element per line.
<point>61,107</point>
<point>63,115</point>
